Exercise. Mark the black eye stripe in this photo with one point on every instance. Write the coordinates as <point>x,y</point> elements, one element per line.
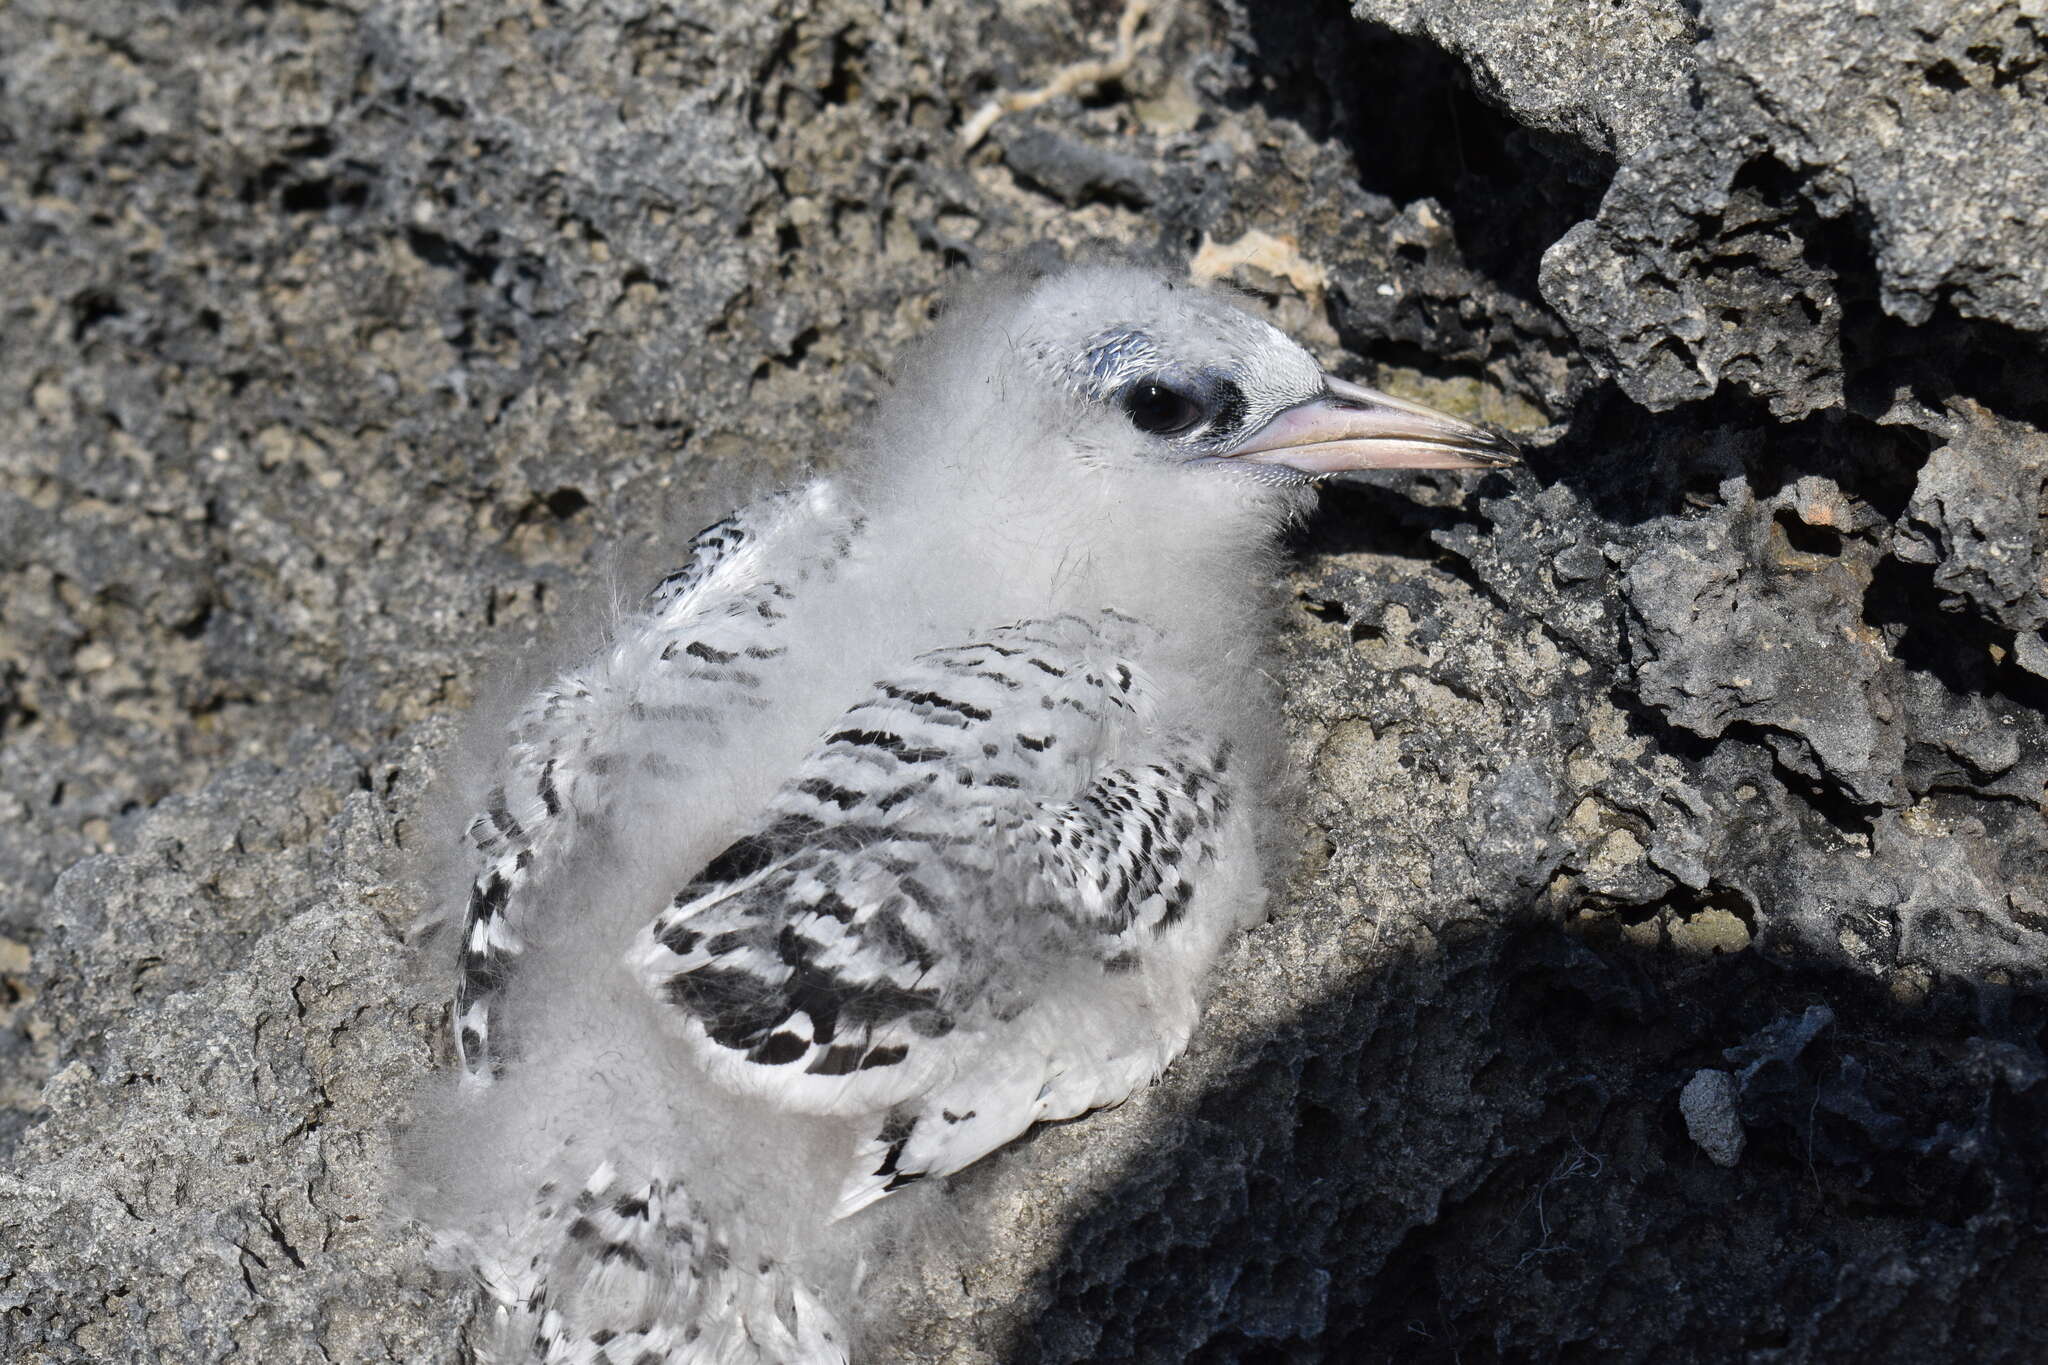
<point>1229,407</point>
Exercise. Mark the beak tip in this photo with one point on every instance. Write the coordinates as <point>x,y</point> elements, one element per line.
<point>1501,450</point>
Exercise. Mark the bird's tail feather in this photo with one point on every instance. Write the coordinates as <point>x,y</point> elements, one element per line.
<point>629,1270</point>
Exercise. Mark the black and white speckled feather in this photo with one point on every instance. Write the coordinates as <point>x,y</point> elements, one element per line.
<point>1007,800</point>
<point>913,809</point>
<point>687,665</point>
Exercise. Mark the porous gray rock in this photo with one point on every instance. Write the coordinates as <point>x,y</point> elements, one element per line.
<point>1604,77</point>
<point>347,346</point>
<point>1975,518</point>
<point>1711,1117</point>
<point>1716,255</point>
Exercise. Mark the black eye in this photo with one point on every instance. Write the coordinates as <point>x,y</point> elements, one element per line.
<point>1159,410</point>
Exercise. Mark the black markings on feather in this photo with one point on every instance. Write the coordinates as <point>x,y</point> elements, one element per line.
<point>739,1009</point>
<point>728,1003</point>
<point>919,895</point>
<point>839,1060</point>
<point>697,649</point>
<point>483,970</point>
<point>482,974</point>
<point>1036,745</point>
<point>888,927</point>
<point>487,898</point>
<point>1176,905</point>
<point>780,1049</point>
<point>905,792</point>
<point>894,1137</point>
<point>896,1130</point>
<point>502,818</point>
<point>709,548</point>
<point>887,743</point>
<point>831,906</point>
<point>549,797</point>
<point>934,700</point>
<point>1002,680</point>
<point>819,789</point>
<point>745,856</point>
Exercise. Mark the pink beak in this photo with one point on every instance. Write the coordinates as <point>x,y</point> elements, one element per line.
<point>1353,427</point>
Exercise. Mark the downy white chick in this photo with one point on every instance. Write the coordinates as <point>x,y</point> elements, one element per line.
<point>911,810</point>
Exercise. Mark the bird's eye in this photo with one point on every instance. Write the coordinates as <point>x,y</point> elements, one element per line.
<point>1159,410</point>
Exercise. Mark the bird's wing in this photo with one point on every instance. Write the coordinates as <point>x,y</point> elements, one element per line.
<point>941,914</point>
<point>686,660</point>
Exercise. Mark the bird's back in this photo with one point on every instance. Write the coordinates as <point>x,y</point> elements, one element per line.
<point>805,887</point>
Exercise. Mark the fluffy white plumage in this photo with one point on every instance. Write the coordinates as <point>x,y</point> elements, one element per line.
<point>912,810</point>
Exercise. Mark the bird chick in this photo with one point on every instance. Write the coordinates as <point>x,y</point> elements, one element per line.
<point>911,810</point>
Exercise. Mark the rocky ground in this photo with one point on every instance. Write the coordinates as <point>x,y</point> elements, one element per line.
<point>1663,976</point>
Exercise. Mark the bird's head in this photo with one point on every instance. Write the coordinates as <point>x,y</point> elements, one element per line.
<point>1142,425</point>
<point>1165,373</point>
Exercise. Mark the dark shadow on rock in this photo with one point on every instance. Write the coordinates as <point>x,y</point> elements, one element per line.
<point>1631,466</point>
<point>1972,656</point>
<point>1409,115</point>
<point>1384,514</point>
<point>1947,357</point>
<point>1480,1155</point>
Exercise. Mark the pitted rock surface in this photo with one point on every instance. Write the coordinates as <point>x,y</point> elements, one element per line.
<point>353,350</point>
